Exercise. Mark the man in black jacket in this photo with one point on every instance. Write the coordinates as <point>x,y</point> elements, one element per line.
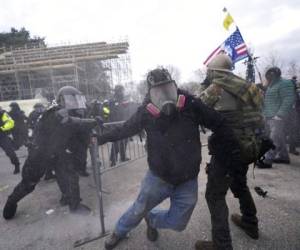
<point>52,145</point>
<point>38,110</point>
<point>171,119</point>
<point>20,131</point>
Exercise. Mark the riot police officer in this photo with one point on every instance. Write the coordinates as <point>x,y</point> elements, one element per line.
<point>38,109</point>
<point>55,131</point>
<point>20,130</point>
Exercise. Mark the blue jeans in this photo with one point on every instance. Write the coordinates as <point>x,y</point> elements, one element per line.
<point>153,191</point>
<point>277,134</point>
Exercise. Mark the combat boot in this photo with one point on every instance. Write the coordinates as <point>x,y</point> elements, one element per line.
<point>9,210</point>
<point>64,201</point>
<point>81,209</point>
<point>261,164</point>
<point>204,245</point>
<point>152,233</point>
<point>112,241</point>
<point>249,228</point>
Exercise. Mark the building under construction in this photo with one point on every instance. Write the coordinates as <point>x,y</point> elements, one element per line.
<point>94,68</point>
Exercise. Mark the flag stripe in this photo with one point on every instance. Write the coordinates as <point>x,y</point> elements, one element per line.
<point>234,46</point>
<point>215,52</point>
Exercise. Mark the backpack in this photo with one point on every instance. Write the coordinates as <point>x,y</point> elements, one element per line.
<point>249,122</point>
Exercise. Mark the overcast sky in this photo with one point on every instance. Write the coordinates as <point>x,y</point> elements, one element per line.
<point>160,32</point>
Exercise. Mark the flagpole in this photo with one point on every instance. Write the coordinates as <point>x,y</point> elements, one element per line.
<point>226,23</point>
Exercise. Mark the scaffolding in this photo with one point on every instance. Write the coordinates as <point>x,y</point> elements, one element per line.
<point>94,68</point>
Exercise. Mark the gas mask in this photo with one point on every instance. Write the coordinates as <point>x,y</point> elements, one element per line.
<point>164,97</point>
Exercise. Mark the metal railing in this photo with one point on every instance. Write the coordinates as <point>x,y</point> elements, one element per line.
<point>102,157</point>
<point>116,154</point>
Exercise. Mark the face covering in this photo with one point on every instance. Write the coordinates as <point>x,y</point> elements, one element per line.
<point>164,97</point>
<point>74,102</point>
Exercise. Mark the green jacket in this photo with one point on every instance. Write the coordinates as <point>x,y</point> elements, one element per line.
<point>279,98</point>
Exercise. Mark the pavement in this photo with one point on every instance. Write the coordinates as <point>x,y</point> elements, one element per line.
<point>42,224</point>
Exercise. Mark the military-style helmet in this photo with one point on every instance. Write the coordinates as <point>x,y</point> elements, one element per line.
<point>221,62</point>
<point>70,98</point>
<point>158,76</point>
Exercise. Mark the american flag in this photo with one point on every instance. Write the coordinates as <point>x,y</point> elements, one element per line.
<point>234,46</point>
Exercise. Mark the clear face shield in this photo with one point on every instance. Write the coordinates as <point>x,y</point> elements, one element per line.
<point>72,102</point>
<point>164,97</point>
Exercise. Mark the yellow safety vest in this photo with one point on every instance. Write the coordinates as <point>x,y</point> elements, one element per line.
<point>7,121</point>
<point>106,112</point>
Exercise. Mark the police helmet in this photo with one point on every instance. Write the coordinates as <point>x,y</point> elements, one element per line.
<point>14,105</point>
<point>70,98</point>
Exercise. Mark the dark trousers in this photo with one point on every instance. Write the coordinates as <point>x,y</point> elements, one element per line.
<point>20,137</point>
<point>35,167</point>
<point>217,185</point>
<point>7,146</point>
<point>116,148</point>
<point>80,158</point>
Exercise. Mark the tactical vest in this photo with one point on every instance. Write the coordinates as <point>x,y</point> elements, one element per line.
<point>241,103</point>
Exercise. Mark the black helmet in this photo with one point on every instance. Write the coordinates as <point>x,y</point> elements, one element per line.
<point>38,105</point>
<point>14,105</point>
<point>273,72</point>
<point>70,98</point>
<point>158,76</point>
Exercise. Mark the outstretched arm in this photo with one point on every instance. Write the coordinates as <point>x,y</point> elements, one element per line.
<point>129,128</point>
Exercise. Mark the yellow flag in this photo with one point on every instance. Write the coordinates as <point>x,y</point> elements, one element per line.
<point>227,21</point>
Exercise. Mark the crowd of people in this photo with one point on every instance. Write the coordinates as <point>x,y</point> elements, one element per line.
<point>248,126</point>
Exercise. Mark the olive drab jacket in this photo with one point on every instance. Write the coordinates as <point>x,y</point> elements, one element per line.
<point>239,101</point>
<point>241,104</point>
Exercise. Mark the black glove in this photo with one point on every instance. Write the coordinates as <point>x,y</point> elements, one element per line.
<point>63,115</point>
